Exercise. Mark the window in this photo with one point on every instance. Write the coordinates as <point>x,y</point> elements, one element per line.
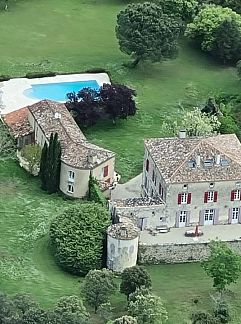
<point>183,216</point>
<point>160,190</point>
<point>105,171</point>
<point>235,213</point>
<point>235,195</point>
<point>184,198</point>
<point>185,186</point>
<point>211,184</point>
<point>210,196</point>
<point>70,188</point>
<point>208,215</point>
<point>147,165</point>
<point>146,184</point>
<point>71,175</point>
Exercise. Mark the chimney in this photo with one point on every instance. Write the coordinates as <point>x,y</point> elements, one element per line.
<point>198,160</point>
<point>182,133</point>
<point>92,158</point>
<point>218,159</point>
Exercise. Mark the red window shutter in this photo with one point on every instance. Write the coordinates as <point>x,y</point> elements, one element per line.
<point>206,197</point>
<point>189,198</point>
<point>179,199</point>
<point>147,165</point>
<point>106,171</point>
<point>215,198</point>
<point>232,195</point>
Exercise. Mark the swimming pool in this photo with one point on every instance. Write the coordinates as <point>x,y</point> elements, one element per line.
<point>58,91</point>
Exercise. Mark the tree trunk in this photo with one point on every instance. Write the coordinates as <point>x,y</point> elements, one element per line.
<point>135,62</point>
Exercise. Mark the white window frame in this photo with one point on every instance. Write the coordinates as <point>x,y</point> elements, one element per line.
<point>70,188</point>
<point>236,195</point>
<point>209,216</point>
<point>184,198</point>
<point>210,197</point>
<point>71,175</point>
<point>182,218</point>
<point>235,213</point>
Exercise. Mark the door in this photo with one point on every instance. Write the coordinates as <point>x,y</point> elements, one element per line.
<point>142,222</point>
<point>182,218</point>
<point>208,216</point>
<point>235,215</point>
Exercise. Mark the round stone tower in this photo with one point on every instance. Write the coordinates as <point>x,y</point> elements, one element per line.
<point>122,246</point>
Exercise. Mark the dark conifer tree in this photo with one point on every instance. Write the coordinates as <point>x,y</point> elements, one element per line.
<point>43,166</point>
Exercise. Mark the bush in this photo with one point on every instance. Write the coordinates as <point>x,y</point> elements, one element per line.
<point>222,312</point>
<point>96,70</point>
<point>218,31</point>
<point>95,194</point>
<point>33,75</point>
<point>4,78</point>
<point>77,236</point>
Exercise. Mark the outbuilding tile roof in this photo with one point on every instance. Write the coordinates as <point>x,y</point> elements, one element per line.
<point>18,122</point>
<point>54,117</point>
<point>173,157</point>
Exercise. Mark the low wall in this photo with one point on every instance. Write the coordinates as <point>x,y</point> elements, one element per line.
<point>178,253</point>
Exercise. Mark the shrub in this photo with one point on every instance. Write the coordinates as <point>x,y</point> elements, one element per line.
<point>4,78</point>
<point>77,237</point>
<point>95,194</point>
<point>33,75</point>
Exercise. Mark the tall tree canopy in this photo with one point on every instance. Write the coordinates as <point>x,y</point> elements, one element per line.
<point>77,237</point>
<point>133,278</point>
<point>111,101</point>
<point>146,33</point>
<point>207,29</point>
<point>235,5</point>
<point>183,9</point>
<point>99,285</point>
<point>223,265</point>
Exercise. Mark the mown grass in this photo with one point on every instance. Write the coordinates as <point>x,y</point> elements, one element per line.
<point>77,35</point>
<point>27,265</point>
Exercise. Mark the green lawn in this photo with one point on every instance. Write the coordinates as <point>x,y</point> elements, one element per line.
<point>27,265</point>
<point>72,36</point>
<point>76,35</point>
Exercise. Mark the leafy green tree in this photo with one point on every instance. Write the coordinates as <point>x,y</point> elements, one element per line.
<point>23,302</point>
<point>118,100</point>
<point>126,319</point>
<point>146,307</point>
<point>32,154</point>
<point>77,237</point>
<point>7,144</point>
<point>183,9</point>
<point>133,278</point>
<point>71,310</point>
<point>195,122</point>
<point>235,5</point>
<point>99,285</point>
<point>206,29</point>
<point>105,311</point>
<point>35,316</point>
<point>146,33</point>
<point>202,317</point>
<point>223,265</point>
<point>227,42</point>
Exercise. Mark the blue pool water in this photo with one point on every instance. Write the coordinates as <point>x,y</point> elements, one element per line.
<point>58,91</point>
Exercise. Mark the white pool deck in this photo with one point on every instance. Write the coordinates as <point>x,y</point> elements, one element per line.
<point>12,92</point>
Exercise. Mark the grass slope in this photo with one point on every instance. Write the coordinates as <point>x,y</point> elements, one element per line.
<point>27,265</point>
<point>75,35</point>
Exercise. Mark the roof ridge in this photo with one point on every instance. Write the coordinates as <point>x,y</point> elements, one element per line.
<point>221,151</point>
<point>181,165</point>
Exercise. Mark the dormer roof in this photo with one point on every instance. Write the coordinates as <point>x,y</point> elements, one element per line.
<point>197,159</point>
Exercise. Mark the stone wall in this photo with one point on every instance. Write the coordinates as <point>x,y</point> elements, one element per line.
<point>178,253</point>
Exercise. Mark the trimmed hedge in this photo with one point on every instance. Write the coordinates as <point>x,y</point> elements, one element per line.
<point>77,237</point>
<point>4,78</point>
<point>33,75</point>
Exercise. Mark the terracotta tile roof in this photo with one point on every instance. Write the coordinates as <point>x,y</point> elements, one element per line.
<point>18,122</point>
<point>54,117</point>
<point>174,157</point>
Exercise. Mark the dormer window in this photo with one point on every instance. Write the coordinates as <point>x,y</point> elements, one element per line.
<point>208,163</point>
<point>211,185</point>
<point>224,162</point>
<point>191,164</point>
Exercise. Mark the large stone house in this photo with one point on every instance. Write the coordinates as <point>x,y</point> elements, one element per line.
<point>198,179</point>
<point>79,158</point>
